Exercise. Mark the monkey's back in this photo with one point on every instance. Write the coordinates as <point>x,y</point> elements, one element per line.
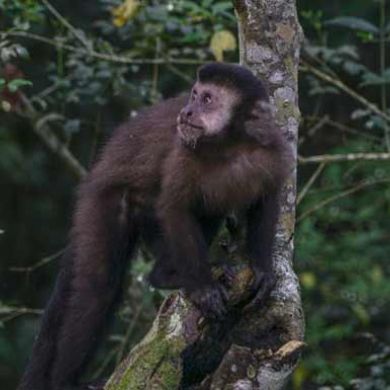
<point>134,155</point>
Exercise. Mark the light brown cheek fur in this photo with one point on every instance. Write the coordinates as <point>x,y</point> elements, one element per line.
<point>215,122</point>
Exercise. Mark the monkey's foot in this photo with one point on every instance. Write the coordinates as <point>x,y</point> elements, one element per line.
<point>210,300</point>
<point>262,284</point>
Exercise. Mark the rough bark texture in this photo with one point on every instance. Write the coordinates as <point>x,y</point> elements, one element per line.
<point>254,347</point>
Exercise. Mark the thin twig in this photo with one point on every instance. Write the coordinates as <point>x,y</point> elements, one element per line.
<point>102,56</point>
<point>95,139</point>
<point>39,263</point>
<point>51,140</point>
<point>321,62</point>
<point>156,72</point>
<point>310,182</point>
<point>340,85</point>
<point>109,356</point>
<point>340,195</point>
<point>179,73</point>
<point>11,313</point>
<point>325,120</point>
<point>347,129</point>
<point>322,122</point>
<point>21,310</point>
<point>72,29</point>
<point>56,42</point>
<point>327,158</point>
<point>45,92</point>
<point>317,126</point>
<point>128,334</point>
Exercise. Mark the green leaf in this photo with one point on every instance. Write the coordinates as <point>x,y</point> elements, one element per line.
<point>375,122</point>
<point>371,78</point>
<point>360,113</point>
<point>72,126</point>
<point>353,23</point>
<point>361,313</point>
<point>353,68</point>
<point>222,7</point>
<point>15,84</point>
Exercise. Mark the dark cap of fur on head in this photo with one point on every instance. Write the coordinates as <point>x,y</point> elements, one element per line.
<point>236,77</point>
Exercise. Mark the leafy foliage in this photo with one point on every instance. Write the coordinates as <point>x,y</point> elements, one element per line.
<point>342,234</point>
<point>353,23</point>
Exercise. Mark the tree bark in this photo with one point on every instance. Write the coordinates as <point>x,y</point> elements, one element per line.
<point>253,347</point>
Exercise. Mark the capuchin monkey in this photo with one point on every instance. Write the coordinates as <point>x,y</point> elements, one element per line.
<point>168,177</point>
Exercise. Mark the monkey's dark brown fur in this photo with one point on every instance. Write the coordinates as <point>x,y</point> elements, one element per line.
<point>169,176</point>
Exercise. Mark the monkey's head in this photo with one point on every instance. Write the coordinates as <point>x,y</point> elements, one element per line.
<point>221,99</point>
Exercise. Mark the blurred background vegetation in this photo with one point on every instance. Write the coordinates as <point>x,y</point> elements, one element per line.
<point>72,71</point>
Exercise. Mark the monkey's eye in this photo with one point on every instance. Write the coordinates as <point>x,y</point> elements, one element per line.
<point>193,96</point>
<point>207,98</point>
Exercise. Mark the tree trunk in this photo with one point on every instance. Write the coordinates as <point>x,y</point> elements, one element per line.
<point>253,348</point>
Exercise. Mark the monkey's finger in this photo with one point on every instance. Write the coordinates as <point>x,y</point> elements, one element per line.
<point>215,304</point>
<point>263,290</point>
<point>223,293</point>
<point>228,276</point>
<point>217,311</point>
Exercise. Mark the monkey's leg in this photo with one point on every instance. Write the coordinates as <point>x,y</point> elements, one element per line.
<point>103,240</point>
<point>261,222</point>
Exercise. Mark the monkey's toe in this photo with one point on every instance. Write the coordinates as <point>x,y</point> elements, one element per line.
<point>228,276</point>
<point>262,285</point>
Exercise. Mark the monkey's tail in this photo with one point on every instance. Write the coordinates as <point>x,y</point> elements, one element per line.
<point>36,375</point>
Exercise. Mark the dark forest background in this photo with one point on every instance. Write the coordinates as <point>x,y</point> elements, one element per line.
<point>72,71</point>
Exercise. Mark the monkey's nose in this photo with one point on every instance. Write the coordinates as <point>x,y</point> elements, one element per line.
<point>187,112</point>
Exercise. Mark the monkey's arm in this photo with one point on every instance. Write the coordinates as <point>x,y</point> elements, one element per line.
<point>186,255</point>
<point>262,217</point>
<point>184,264</point>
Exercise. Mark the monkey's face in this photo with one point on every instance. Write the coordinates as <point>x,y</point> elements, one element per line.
<point>208,113</point>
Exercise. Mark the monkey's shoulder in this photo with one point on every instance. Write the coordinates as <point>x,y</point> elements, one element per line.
<point>144,140</point>
<point>150,123</point>
<point>160,115</point>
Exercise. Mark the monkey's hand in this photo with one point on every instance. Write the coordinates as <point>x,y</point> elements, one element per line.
<point>210,300</point>
<point>262,284</point>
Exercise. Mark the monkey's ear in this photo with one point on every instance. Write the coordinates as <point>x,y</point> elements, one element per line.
<point>261,108</point>
<point>261,125</point>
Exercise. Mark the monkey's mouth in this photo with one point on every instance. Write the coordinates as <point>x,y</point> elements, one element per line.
<point>189,133</point>
<point>189,124</point>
